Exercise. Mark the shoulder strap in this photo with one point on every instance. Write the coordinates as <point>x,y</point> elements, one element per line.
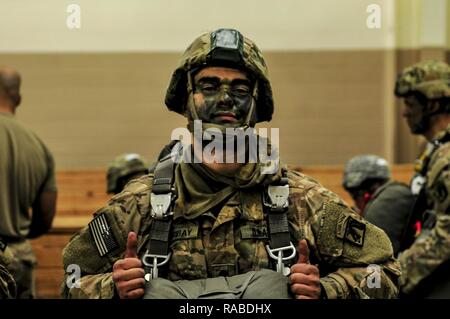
<point>276,204</point>
<point>162,198</point>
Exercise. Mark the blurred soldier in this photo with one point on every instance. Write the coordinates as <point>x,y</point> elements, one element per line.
<point>124,168</point>
<point>7,283</point>
<point>383,202</point>
<point>27,180</point>
<point>214,229</point>
<point>425,90</point>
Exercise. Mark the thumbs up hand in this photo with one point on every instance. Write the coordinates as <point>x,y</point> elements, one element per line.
<point>305,278</point>
<point>128,274</point>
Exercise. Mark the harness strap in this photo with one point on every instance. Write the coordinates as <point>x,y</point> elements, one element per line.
<point>276,203</point>
<point>161,200</point>
<point>275,200</point>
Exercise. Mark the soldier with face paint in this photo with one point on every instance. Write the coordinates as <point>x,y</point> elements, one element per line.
<point>218,229</point>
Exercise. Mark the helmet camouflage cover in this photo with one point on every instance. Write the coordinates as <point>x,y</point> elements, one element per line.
<point>430,78</point>
<point>364,167</point>
<point>122,166</point>
<point>223,47</point>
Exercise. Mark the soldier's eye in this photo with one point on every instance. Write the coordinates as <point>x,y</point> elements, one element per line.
<point>241,89</point>
<point>208,87</point>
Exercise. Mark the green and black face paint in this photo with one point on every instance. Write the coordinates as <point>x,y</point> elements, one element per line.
<point>224,102</point>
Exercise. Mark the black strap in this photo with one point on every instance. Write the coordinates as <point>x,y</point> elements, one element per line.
<point>160,229</point>
<point>279,235</point>
<point>159,236</point>
<point>164,176</point>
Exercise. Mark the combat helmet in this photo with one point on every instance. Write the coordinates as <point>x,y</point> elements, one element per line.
<point>122,166</point>
<point>430,78</point>
<point>223,47</point>
<point>428,81</point>
<point>365,167</point>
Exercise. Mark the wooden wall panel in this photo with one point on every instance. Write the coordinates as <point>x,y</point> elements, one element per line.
<point>49,271</point>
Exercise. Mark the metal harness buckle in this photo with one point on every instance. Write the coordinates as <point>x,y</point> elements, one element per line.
<point>285,271</point>
<point>278,196</point>
<point>160,205</point>
<point>154,264</point>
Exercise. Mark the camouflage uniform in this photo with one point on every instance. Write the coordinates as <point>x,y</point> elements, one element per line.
<point>7,283</point>
<point>207,246</point>
<point>21,267</point>
<point>425,264</point>
<point>216,236</point>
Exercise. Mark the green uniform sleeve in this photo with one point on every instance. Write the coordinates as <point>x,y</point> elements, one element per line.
<point>425,255</point>
<point>358,254</point>
<point>82,251</point>
<point>354,257</point>
<point>125,212</point>
<point>100,286</point>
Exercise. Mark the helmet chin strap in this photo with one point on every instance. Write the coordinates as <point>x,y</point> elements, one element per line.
<point>222,127</point>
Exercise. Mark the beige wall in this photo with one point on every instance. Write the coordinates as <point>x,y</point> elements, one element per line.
<point>91,107</point>
<point>170,25</point>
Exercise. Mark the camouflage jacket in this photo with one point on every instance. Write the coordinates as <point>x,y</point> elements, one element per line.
<point>341,243</point>
<point>432,249</point>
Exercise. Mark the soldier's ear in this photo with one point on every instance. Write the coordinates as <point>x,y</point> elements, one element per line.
<point>17,100</point>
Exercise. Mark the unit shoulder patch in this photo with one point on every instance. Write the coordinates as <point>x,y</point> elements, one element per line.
<point>355,232</point>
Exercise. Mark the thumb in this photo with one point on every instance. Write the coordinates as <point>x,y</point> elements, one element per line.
<point>303,252</point>
<point>132,243</point>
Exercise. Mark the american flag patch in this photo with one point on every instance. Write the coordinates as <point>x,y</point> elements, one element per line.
<point>102,234</point>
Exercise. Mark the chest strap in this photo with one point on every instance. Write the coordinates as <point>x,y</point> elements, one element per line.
<point>162,198</point>
<point>276,204</point>
<point>275,200</point>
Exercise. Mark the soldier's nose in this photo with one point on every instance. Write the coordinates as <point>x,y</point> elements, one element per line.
<point>225,98</point>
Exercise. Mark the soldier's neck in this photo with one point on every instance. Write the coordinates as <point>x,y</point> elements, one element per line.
<point>7,108</point>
